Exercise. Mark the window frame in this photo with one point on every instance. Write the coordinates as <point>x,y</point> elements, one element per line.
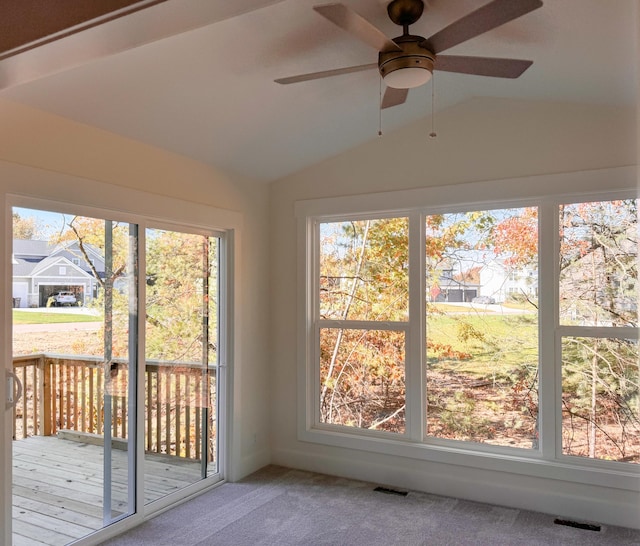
<point>546,192</point>
<point>562,331</point>
<point>357,324</point>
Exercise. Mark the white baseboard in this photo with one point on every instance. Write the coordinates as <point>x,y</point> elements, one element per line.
<point>249,464</point>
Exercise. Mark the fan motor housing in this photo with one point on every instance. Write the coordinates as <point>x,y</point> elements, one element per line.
<point>411,56</point>
<point>405,12</point>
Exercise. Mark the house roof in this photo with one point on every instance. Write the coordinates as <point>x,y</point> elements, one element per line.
<point>31,248</point>
<point>196,78</point>
<point>32,256</point>
<point>27,255</point>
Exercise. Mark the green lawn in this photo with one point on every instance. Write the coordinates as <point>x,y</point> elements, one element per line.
<point>523,305</point>
<point>496,343</point>
<point>29,317</point>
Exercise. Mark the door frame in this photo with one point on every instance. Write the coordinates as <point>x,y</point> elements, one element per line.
<point>6,422</point>
<point>129,206</point>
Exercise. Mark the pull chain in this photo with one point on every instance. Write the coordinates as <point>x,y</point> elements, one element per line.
<point>433,133</point>
<point>380,109</point>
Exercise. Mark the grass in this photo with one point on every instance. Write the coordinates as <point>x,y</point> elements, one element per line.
<point>28,317</point>
<point>497,343</point>
<point>523,305</point>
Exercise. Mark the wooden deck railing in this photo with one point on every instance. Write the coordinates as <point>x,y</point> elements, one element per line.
<point>67,393</point>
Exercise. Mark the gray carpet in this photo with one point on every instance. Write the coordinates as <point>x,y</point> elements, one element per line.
<point>279,506</point>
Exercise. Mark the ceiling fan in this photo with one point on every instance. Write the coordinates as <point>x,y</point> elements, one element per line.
<point>409,61</point>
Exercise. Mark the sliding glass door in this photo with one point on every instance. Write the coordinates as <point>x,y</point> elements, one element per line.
<point>114,379</point>
<point>182,341</point>
<point>74,351</point>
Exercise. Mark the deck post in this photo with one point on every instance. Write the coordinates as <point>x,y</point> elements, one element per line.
<point>44,396</point>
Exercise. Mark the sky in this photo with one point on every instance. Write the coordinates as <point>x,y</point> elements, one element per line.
<point>47,222</point>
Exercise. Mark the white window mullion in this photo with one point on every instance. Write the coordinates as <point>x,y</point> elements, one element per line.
<point>415,350</point>
<point>311,305</point>
<point>549,401</point>
<point>364,325</point>
<point>618,332</point>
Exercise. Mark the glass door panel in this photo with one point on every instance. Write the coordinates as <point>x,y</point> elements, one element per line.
<point>74,343</point>
<point>181,360</point>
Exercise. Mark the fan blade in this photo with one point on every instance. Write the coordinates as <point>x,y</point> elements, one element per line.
<point>482,66</point>
<point>478,22</point>
<point>393,97</point>
<point>326,73</point>
<point>358,26</point>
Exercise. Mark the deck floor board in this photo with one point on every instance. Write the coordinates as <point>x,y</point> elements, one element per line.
<point>57,487</point>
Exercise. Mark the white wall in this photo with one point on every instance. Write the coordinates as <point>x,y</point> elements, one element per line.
<point>48,157</point>
<point>483,139</point>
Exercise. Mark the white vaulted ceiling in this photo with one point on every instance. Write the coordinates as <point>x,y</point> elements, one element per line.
<point>196,77</point>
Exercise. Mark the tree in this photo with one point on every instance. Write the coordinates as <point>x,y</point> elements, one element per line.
<point>93,231</point>
<point>599,263</point>
<point>25,228</point>
<point>181,312</point>
<point>599,287</point>
<point>112,239</point>
<point>363,276</point>
<point>179,265</point>
<point>516,237</point>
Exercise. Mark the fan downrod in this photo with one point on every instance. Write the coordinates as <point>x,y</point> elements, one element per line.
<point>405,12</point>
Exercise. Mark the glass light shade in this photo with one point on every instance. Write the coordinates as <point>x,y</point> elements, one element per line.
<point>408,77</point>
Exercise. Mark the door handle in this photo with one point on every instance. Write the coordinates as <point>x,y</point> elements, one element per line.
<point>14,389</point>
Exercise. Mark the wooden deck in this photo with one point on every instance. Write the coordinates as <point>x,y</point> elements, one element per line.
<point>57,487</point>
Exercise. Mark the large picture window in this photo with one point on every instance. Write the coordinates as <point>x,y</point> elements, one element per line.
<point>495,329</point>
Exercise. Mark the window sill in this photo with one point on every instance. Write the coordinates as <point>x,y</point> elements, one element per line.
<point>504,460</point>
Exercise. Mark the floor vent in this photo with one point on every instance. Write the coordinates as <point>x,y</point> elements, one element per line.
<point>577,525</point>
<point>391,491</point>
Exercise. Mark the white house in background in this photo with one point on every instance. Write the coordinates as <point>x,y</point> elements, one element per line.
<point>40,270</point>
<point>500,280</point>
<point>452,290</point>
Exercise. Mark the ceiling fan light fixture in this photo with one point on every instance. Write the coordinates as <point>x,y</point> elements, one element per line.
<point>407,77</point>
<point>409,68</point>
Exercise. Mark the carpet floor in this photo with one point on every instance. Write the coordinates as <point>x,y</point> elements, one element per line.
<point>280,506</point>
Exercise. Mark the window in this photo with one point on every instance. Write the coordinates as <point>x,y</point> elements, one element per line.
<point>598,264</point>
<point>482,360</point>
<point>363,308</point>
<point>509,330</point>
